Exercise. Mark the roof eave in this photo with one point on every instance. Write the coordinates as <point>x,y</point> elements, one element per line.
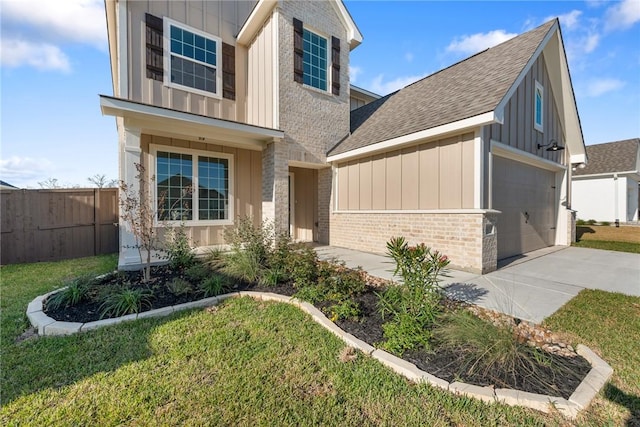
<point>255,20</point>
<point>410,139</point>
<point>166,122</point>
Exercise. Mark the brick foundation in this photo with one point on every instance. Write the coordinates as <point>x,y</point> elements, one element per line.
<point>468,239</point>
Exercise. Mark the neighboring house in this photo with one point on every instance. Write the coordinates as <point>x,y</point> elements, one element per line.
<point>607,188</point>
<point>251,102</point>
<point>7,186</point>
<point>361,97</point>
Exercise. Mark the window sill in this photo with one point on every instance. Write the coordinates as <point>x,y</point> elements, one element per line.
<point>193,223</point>
<point>320,91</point>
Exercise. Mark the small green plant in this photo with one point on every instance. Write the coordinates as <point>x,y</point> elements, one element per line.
<point>581,222</point>
<point>605,223</point>
<point>197,272</point>
<point>178,247</point>
<point>337,286</point>
<point>414,305</point>
<point>212,285</point>
<point>272,276</point>
<point>179,286</point>
<point>125,300</point>
<point>76,290</point>
<point>591,222</point>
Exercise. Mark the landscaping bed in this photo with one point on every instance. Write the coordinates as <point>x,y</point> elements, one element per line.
<point>544,373</point>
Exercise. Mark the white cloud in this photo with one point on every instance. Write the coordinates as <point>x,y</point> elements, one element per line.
<point>623,15</point>
<point>591,42</point>
<point>478,42</point>
<point>24,171</point>
<point>354,72</point>
<point>43,56</point>
<point>599,87</point>
<point>80,21</point>
<point>569,20</point>
<point>383,88</point>
<point>408,56</point>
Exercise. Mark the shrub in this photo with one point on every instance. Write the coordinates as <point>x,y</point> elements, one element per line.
<point>178,248</point>
<point>605,223</point>
<point>125,300</point>
<point>581,222</point>
<point>76,290</point>
<point>179,286</point>
<point>414,305</point>
<point>302,266</point>
<point>213,285</point>
<point>591,222</point>
<point>250,246</point>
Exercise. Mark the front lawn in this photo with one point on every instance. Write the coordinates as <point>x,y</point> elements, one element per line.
<point>621,239</point>
<point>608,323</point>
<point>250,362</point>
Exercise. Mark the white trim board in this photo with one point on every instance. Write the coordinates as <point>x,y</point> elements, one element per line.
<point>503,150</point>
<point>401,141</point>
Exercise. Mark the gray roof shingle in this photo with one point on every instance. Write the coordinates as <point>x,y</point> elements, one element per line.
<point>617,156</point>
<point>468,88</point>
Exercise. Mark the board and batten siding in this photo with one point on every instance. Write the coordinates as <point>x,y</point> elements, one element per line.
<point>434,175</point>
<point>247,183</point>
<point>262,76</point>
<point>518,130</point>
<point>219,18</point>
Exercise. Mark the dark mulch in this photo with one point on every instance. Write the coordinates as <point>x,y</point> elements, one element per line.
<point>445,364</point>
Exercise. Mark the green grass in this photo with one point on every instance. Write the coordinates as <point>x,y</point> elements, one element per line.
<point>609,246</point>
<point>608,323</point>
<point>247,363</point>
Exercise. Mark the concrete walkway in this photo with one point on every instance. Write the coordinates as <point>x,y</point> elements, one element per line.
<point>531,287</point>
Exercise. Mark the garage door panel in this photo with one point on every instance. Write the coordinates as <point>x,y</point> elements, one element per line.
<point>526,196</point>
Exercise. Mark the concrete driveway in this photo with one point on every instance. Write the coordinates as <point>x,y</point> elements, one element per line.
<point>531,288</point>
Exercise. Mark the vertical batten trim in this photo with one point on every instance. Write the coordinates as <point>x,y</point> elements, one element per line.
<point>123,29</point>
<point>275,19</point>
<point>478,167</point>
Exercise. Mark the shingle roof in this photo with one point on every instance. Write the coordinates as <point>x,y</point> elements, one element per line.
<point>468,88</point>
<point>618,156</point>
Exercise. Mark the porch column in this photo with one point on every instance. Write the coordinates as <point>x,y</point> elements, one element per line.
<point>130,154</point>
<point>275,185</point>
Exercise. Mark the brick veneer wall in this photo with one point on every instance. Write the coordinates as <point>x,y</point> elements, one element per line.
<point>468,239</point>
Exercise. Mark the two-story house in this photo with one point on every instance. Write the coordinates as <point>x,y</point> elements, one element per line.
<point>249,105</point>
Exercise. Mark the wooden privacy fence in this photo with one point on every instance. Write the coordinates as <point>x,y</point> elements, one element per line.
<point>49,225</point>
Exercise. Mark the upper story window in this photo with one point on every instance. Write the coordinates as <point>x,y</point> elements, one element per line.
<point>313,57</point>
<point>192,59</point>
<point>538,123</point>
<point>315,60</point>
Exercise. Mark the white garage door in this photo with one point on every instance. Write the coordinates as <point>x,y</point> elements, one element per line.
<point>526,195</point>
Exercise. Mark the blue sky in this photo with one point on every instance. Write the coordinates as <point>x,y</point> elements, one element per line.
<point>52,72</point>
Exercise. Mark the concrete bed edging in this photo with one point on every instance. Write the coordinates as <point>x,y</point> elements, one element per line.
<point>583,395</point>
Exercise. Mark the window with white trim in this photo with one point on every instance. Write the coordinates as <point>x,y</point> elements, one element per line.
<point>314,60</point>
<point>192,59</point>
<point>193,186</point>
<point>538,114</point>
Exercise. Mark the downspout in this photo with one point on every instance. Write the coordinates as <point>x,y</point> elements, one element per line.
<point>615,198</point>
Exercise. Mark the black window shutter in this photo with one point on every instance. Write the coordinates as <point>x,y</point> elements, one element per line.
<point>155,64</point>
<point>335,66</point>
<point>228,71</point>
<point>298,52</point>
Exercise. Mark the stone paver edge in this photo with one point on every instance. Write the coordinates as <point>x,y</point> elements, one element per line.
<point>580,399</point>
